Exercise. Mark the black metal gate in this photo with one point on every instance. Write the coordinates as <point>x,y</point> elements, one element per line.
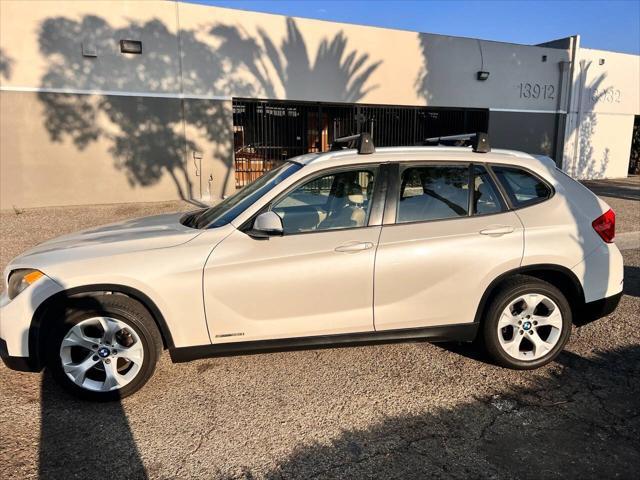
<point>267,133</point>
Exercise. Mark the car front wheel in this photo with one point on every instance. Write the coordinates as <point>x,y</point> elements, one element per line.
<point>103,347</point>
<point>528,323</point>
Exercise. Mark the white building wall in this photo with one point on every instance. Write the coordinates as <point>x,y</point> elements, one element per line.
<point>604,100</point>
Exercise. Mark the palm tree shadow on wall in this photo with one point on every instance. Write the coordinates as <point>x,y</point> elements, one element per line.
<point>334,73</point>
<point>6,65</point>
<point>581,160</point>
<point>148,137</point>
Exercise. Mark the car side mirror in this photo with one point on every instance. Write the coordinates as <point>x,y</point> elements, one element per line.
<point>267,224</point>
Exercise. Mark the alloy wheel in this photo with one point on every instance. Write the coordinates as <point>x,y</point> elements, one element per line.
<point>101,354</point>
<point>530,326</point>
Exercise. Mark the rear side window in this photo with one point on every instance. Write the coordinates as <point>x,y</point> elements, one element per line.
<point>433,193</point>
<point>522,187</point>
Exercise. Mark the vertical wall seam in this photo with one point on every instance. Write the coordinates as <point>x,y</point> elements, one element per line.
<point>182,100</point>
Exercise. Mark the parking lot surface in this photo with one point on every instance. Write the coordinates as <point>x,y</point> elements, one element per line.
<point>412,410</point>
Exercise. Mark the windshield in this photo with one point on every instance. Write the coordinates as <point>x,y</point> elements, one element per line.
<point>225,211</point>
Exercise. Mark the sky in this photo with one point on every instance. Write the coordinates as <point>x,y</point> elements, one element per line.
<point>607,25</point>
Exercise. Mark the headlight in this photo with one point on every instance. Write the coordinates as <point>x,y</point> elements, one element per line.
<point>21,279</point>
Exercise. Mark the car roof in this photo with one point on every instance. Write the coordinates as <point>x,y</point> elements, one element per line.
<point>423,154</point>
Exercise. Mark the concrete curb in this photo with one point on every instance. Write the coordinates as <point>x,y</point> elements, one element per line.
<point>628,240</point>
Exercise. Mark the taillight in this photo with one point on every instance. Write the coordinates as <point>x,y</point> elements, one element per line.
<point>605,226</point>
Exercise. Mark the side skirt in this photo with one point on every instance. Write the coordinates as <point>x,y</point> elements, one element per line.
<point>465,332</point>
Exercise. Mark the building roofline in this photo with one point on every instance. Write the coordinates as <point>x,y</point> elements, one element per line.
<point>201,3</point>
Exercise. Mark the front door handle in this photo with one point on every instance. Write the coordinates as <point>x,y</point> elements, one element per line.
<point>353,247</point>
<point>497,230</point>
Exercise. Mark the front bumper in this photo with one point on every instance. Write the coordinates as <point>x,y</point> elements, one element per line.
<point>21,364</point>
<point>15,322</point>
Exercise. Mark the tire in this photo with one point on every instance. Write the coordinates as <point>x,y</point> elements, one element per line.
<point>541,336</point>
<point>114,320</point>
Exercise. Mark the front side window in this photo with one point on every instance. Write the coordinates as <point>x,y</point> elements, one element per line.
<point>329,202</point>
<point>522,187</point>
<point>227,210</point>
<point>433,193</point>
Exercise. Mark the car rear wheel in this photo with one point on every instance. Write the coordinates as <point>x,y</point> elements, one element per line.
<point>528,323</point>
<point>103,347</point>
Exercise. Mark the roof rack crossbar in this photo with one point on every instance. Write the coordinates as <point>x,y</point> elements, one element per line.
<point>363,143</point>
<point>479,141</point>
<point>462,136</point>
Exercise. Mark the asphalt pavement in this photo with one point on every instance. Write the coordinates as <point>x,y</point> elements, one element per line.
<point>411,410</point>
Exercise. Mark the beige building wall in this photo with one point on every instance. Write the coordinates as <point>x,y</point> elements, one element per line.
<point>271,56</point>
<point>107,128</point>
<point>78,128</point>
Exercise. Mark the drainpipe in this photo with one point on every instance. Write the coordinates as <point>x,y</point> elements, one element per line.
<point>571,85</point>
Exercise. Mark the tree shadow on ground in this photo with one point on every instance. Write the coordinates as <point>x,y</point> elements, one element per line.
<point>583,422</point>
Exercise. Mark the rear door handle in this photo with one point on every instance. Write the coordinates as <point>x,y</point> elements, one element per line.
<point>353,247</point>
<point>497,230</point>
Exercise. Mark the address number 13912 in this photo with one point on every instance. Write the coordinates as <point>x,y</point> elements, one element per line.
<point>537,91</point>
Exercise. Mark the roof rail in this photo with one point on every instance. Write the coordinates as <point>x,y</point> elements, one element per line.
<point>479,141</point>
<point>363,143</point>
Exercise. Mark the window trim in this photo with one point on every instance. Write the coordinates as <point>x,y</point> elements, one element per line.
<point>376,203</point>
<point>505,192</point>
<point>504,206</point>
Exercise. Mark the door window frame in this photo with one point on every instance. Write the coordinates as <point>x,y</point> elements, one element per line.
<point>378,196</point>
<point>395,181</point>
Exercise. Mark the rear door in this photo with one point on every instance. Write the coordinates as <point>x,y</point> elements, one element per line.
<point>447,234</point>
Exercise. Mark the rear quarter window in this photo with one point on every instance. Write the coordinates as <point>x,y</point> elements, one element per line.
<point>523,187</point>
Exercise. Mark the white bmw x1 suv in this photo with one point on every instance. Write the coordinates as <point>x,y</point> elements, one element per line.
<point>437,243</point>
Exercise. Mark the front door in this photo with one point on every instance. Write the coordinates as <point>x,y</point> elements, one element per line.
<point>316,279</point>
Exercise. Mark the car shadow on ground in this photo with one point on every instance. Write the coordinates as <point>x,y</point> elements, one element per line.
<point>80,439</point>
<point>632,280</point>
<point>580,420</point>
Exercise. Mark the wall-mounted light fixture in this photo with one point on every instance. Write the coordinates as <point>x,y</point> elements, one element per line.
<point>131,46</point>
<point>601,61</point>
<point>544,58</point>
<point>482,75</point>
<point>89,50</point>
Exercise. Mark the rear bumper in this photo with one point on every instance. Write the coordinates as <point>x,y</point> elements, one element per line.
<point>595,310</point>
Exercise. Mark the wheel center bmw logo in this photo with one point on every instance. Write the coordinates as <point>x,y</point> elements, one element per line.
<point>103,352</point>
<point>526,325</point>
